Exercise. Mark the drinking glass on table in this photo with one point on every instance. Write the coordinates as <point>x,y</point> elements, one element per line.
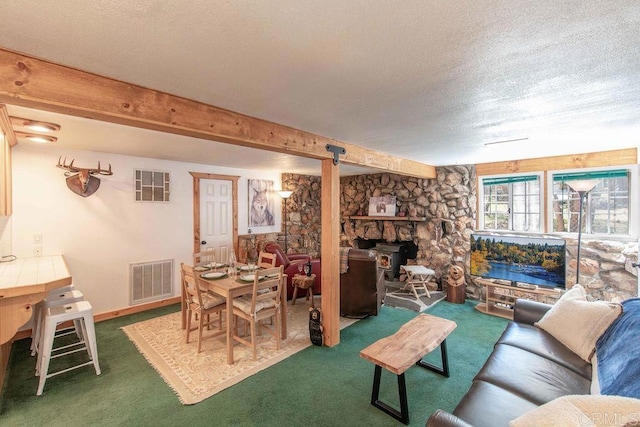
<point>300,267</point>
<point>232,264</point>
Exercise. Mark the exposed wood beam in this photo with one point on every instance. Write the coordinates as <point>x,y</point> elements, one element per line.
<point>35,83</point>
<point>627,156</point>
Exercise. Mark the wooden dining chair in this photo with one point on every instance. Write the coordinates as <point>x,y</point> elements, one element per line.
<point>205,257</point>
<point>201,304</point>
<point>266,260</point>
<point>262,303</point>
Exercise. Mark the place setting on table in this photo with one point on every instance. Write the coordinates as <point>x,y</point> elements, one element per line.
<point>242,273</point>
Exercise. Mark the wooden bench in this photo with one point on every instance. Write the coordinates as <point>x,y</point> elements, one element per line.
<point>398,352</point>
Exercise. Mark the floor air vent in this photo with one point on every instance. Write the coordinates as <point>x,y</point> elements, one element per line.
<point>151,281</point>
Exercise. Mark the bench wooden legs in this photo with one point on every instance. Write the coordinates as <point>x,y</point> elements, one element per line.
<point>403,414</point>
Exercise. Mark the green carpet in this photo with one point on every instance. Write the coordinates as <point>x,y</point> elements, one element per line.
<point>319,386</point>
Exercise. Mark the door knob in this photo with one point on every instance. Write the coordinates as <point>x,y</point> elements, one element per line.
<point>204,242</point>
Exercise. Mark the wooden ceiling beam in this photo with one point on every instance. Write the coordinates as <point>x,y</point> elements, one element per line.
<point>35,83</point>
<point>625,156</point>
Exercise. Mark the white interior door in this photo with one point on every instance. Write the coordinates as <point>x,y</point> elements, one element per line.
<point>216,210</point>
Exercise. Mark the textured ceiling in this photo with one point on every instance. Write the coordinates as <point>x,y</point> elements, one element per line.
<point>429,80</point>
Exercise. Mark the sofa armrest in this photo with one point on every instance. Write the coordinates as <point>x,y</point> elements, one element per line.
<point>526,311</point>
<point>443,418</point>
<point>296,257</point>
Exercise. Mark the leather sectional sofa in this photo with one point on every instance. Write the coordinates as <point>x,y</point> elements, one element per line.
<point>527,368</point>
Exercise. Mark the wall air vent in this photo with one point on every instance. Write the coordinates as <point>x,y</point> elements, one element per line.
<point>151,281</point>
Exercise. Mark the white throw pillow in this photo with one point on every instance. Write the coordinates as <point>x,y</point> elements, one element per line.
<point>578,323</point>
<point>583,410</point>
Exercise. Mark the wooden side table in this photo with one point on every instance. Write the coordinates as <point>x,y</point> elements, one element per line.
<point>303,281</point>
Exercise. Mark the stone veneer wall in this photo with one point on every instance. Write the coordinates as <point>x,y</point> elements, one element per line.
<point>449,204</point>
<point>303,220</point>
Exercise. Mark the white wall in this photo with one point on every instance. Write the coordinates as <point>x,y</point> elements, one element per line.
<point>102,234</point>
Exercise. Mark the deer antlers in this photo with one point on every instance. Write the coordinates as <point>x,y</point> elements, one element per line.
<point>80,180</point>
<point>73,169</point>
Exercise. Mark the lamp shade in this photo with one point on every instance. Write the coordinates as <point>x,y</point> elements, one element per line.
<point>580,185</point>
<point>285,194</point>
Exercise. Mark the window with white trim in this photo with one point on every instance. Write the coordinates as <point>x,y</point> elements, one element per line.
<point>606,207</point>
<point>512,203</point>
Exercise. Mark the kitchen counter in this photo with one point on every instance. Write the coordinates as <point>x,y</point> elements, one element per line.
<point>23,283</point>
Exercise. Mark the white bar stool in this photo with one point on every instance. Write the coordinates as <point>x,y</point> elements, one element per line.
<point>53,316</point>
<point>55,297</point>
<point>37,315</point>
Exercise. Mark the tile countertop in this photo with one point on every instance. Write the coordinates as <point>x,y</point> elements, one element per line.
<point>31,275</point>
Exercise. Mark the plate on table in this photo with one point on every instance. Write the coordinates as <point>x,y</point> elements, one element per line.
<point>247,268</point>
<point>201,268</point>
<point>248,277</point>
<point>213,275</point>
<point>215,265</point>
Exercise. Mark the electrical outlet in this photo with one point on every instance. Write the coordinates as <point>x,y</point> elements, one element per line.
<point>37,250</point>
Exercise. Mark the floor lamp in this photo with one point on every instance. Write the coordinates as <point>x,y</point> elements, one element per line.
<point>582,187</point>
<point>285,194</point>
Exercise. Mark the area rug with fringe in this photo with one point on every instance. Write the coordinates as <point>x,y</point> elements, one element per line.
<point>196,376</point>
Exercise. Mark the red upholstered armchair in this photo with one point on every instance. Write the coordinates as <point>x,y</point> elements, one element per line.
<point>290,263</point>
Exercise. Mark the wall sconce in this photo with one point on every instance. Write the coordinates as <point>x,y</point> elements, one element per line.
<point>582,187</point>
<point>285,194</point>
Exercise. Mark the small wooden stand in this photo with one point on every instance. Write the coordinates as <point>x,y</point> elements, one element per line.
<point>417,277</point>
<point>303,282</point>
<point>456,294</point>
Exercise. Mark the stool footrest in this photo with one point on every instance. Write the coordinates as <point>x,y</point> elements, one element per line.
<point>53,374</point>
<point>53,356</point>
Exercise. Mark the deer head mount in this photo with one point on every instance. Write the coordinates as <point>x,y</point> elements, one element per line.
<point>81,180</point>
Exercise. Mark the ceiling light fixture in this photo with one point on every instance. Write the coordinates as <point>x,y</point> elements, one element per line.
<point>35,125</point>
<point>505,141</point>
<point>35,137</point>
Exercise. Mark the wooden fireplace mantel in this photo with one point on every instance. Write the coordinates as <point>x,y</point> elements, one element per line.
<point>387,218</point>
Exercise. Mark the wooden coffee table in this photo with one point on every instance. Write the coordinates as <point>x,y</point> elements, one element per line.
<point>398,352</point>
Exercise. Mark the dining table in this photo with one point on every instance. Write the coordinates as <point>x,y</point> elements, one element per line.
<point>230,288</point>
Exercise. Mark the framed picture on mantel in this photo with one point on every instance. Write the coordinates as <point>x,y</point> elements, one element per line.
<point>382,206</point>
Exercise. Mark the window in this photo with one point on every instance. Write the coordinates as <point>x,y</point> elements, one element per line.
<point>606,207</point>
<point>152,186</point>
<point>511,203</point>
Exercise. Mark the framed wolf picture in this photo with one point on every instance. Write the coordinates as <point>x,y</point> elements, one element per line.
<point>261,203</point>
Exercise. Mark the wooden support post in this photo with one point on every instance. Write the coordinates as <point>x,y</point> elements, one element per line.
<point>331,252</point>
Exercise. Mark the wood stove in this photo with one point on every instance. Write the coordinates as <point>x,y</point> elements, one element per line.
<point>390,257</point>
